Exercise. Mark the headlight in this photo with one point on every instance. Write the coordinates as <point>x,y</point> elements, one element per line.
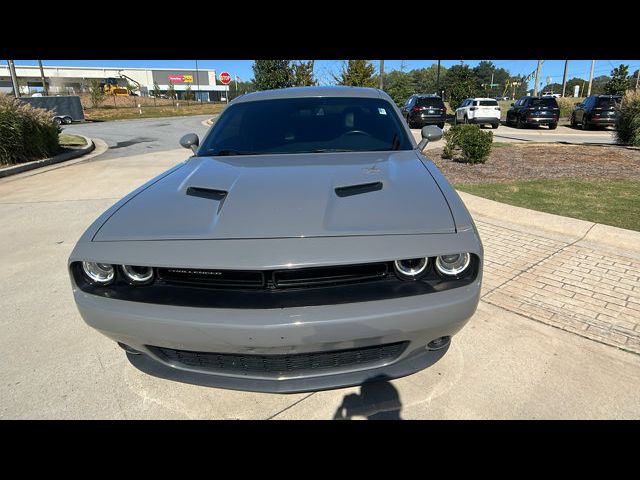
<point>137,275</point>
<point>411,268</point>
<point>453,265</point>
<point>101,273</point>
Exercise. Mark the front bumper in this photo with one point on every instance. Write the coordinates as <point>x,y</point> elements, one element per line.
<point>417,320</point>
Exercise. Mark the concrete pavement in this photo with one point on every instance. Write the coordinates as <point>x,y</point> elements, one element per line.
<point>513,360</point>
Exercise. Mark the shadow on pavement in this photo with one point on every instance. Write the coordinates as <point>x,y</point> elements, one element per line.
<point>378,400</point>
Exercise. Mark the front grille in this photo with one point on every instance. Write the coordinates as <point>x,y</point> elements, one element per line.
<point>273,279</point>
<point>273,365</point>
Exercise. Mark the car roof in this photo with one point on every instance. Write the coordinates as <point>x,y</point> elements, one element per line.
<point>305,92</point>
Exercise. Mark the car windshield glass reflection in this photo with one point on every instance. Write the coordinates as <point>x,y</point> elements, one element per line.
<point>307,125</point>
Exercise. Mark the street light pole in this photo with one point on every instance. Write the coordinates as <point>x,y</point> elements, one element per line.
<point>593,64</point>
<point>14,78</point>
<point>197,82</point>
<point>438,78</point>
<point>564,77</point>
<point>381,74</point>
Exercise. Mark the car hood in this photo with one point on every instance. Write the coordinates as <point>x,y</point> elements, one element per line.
<point>279,196</point>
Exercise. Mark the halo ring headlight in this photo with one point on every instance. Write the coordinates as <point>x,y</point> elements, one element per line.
<point>137,275</point>
<point>100,273</point>
<point>411,268</point>
<point>453,265</point>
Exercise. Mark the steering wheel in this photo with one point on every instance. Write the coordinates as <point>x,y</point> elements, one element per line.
<point>356,132</point>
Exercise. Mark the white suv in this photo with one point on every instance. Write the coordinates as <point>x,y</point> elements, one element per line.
<point>482,111</point>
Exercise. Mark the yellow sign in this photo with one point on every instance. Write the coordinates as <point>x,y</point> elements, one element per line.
<point>188,79</point>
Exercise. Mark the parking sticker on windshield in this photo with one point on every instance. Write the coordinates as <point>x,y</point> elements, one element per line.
<point>382,111</point>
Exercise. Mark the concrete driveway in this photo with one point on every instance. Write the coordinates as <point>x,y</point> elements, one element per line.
<point>555,335</point>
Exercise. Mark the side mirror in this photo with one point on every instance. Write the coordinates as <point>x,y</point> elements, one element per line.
<point>430,133</point>
<point>190,140</point>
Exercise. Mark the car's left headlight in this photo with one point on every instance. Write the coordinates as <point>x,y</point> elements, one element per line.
<point>453,265</point>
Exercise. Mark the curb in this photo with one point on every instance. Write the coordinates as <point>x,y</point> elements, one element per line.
<point>63,157</point>
<point>573,228</point>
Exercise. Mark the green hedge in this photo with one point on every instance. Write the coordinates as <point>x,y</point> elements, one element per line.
<point>628,122</point>
<point>26,133</point>
<point>473,143</point>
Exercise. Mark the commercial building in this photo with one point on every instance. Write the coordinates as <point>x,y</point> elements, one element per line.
<point>73,80</point>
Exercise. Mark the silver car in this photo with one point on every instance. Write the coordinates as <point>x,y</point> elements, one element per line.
<point>306,244</point>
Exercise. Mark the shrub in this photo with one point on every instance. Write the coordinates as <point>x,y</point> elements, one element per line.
<point>26,133</point>
<point>628,123</point>
<point>566,107</point>
<point>473,143</point>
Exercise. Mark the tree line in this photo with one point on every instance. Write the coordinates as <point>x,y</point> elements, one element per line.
<point>454,83</point>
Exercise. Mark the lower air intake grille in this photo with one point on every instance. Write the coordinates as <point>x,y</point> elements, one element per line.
<point>281,364</point>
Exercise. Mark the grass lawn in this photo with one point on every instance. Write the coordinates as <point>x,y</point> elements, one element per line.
<point>110,113</point>
<point>71,140</point>
<point>610,202</point>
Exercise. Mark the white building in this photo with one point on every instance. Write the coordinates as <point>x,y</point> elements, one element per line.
<point>74,80</point>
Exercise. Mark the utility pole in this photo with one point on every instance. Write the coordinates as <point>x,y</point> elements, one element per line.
<point>564,77</point>
<point>637,78</point>
<point>197,83</point>
<point>593,64</point>
<point>438,78</point>
<point>381,74</point>
<point>535,85</point>
<point>44,83</point>
<point>14,78</point>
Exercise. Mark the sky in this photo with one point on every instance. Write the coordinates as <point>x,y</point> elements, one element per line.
<point>324,68</point>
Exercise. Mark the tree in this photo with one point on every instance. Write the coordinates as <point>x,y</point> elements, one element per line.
<point>424,80</point>
<point>399,86</point>
<point>486,71</point>
<point>271,74</point>
<point>462,83</point>
<point>619,82</point>
<point>303,74</point>
<point>171,91</point>
<point>357,73</point>
<point>552,87</point>
<point>156,90</point>
<point>240,88</point>
<point>96,93</point>
<point>188,94</point>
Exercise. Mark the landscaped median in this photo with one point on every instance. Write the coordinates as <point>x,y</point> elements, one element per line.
<point>595,183</point>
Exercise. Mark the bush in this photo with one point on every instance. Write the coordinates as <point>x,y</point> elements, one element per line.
<point>628,123</point>
<point>26,133</point>
<point>566,106</point>
<point>473,143</point>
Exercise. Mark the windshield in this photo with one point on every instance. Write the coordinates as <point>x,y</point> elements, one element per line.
<point>544,102</point>
<point>607,102</point>
<point>429,102</point>
<point>305,125</point>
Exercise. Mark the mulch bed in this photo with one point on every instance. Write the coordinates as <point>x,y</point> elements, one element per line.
<point>535,162</point>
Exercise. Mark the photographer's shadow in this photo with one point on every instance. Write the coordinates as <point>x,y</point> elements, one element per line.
<point>378,400</point>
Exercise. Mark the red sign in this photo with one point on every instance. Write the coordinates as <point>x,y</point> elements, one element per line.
<point>180,78</point>
<point>225,78</point>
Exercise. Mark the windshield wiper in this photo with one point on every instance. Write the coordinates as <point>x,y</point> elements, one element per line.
<point>222,153</point>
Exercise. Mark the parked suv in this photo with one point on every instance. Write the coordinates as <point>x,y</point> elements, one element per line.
<point>534,111</point>
<point>482,111</point>
<point>596,110</point>
<point>421,110</point>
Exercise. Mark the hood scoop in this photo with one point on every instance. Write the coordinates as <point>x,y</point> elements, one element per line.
<point>210,193</point>
<point>358,189</point>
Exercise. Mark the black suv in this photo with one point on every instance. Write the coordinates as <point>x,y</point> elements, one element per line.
<point>421,110</point>
<point>597,110</point>
<point>534,111</point>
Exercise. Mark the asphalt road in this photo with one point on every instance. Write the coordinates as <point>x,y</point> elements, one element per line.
<point>134,137</point>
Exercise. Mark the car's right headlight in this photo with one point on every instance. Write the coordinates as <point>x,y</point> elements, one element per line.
<point>453,265</point>
<point>100,273</point>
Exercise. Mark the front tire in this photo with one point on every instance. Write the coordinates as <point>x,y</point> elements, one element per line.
<point>574,124</point>
<point>585,123</point>
<point>495,125</point>
<point>441,126</point>
<point>519,123</point>
<point>553,126</point>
